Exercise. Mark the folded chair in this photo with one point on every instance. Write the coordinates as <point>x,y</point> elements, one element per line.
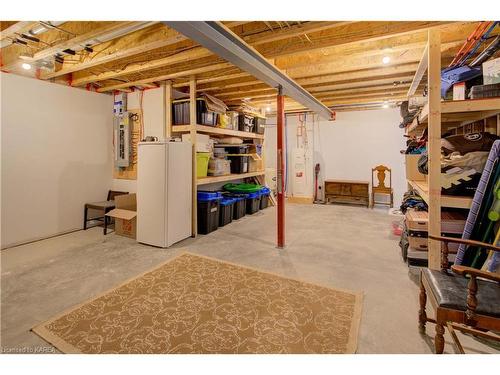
<point>104,207</point>
<point>466,298</point>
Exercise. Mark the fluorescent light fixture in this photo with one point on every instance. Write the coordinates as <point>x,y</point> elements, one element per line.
<point>26,66</point>
<point>386,59</point>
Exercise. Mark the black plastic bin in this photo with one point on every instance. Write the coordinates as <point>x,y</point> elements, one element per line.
<point>259,125</point>
<point>239,206</point>
<point>208,211</point>
<point>239,164</point>
<point>181,114</point>
<point>226,207</point>
<point>245,122</point>
<point>253,203</point>
<point>264,197</point>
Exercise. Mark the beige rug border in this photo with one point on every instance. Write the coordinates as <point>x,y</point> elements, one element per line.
<point>66,348</point>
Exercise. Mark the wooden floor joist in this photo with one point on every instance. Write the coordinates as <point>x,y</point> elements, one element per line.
<point>337,62</point>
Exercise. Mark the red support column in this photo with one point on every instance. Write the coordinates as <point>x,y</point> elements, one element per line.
<point>280,116</point>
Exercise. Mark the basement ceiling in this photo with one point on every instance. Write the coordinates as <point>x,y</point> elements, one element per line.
<point>339,63</point>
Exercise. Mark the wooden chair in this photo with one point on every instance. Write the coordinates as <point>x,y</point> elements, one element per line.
<point>460,300</point>
<point>103,206</point>
<point>382,171</point>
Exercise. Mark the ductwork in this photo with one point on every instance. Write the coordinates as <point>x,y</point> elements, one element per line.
<point>112,35</point>
<point>45,26</point>
<point>37,30</point>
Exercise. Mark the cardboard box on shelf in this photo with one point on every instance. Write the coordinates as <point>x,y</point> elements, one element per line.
<point>491,71</point>
<point>203,142</point>
<point>125,215</point>
<point>459,91</point>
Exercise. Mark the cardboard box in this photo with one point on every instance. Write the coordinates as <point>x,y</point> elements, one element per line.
<point>203,142</point>
<point>459,91</point>
<point>125,215</point>
<point>412,173</point>
<point>491,71</point>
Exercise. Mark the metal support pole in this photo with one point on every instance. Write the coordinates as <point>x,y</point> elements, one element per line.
<point>280,116</point>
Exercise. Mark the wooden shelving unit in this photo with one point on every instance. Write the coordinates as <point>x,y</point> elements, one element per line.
<point>438,116</point>
<point>458,112</point>
<point>193,128</point>
<point>216,131</point>
<point>230,177</point>
<point>449,201</point>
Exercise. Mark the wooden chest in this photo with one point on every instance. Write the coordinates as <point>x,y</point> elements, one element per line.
<point>345,191</point>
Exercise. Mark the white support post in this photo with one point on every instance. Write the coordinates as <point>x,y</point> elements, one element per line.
<point>168,108</point>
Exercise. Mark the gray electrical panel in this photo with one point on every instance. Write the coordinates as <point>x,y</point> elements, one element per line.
<point>123,139</point>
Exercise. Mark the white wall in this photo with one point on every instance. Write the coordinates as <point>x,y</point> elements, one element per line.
<point>56,156</point>
<point>347,148</point>
<point>152,107</point>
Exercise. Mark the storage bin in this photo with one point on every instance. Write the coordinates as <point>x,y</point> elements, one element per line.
<point>245,122</point>
<point>239,164</point>
<point>181,113</point>
<point>202,159</point>
<point>237,149</point>
<point>226,207</point>
<point>420,244</point>
<point>208,211</point>
<point>219,167</point>
<point>264,197</point>
<point>452,222</point>
<point>240,204</point>
<point>259,124</point>
<point>253,203</point>
<point>233,120</point>
<point>485,91</point>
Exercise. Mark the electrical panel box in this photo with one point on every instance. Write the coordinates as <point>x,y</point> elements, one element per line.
<point>120,104</point>
<point>123,139</point>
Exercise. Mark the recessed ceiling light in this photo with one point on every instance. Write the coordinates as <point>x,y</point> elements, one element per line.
<point>386,59</point>
<point>385,105</point>
<point>268,108</point>
<point>26,66</point>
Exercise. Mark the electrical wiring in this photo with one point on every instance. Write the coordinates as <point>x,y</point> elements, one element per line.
<point>141,98</point>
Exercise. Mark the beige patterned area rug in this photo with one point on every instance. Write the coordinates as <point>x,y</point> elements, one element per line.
<point>195,304</point>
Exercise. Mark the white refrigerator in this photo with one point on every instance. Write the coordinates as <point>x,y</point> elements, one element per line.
<point>164,192</point>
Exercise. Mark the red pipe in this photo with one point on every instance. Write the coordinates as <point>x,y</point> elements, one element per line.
<point>280,114</point>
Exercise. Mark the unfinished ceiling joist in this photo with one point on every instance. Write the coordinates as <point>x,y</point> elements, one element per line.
<point>220,40</point>
<point>185,73</point>
<point>95,36</point>
<point>421,69</point>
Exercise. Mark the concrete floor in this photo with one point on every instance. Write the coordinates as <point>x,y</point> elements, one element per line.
<point>339,246</point>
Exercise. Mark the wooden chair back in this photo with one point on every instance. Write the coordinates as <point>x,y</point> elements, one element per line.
<point>381,171</point>
<point>113,193</point>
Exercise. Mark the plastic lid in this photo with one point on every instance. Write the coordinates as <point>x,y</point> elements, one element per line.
<point>265,191</point>
<point>253,195</point>
<point>226,201</point>
<point>208,195</point>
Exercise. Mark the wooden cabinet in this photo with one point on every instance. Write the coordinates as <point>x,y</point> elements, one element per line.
<point>354,192</point>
